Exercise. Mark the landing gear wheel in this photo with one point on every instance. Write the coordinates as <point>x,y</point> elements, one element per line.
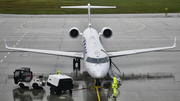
<point>76,64</point>
<point>98,82</point>
<point>79,64</point>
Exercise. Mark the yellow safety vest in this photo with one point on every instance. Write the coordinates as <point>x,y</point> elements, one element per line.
<point>59,72</point>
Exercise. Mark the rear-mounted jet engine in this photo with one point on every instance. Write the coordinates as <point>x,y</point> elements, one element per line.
<point>106,32</point>
<point>74,32</point>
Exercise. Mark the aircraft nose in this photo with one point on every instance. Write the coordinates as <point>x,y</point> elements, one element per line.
<point>99,74</point>
<point>97,70</point>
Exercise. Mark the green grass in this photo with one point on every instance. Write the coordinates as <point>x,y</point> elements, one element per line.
<point>53,6</point>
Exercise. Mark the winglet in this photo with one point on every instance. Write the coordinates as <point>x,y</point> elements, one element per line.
<point>174,46</point>
<point>5,43</point>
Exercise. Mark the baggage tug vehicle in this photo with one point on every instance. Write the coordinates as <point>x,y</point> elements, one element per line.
<point>24,78</point>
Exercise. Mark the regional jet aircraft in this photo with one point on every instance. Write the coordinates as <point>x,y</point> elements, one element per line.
<point>97,60</point>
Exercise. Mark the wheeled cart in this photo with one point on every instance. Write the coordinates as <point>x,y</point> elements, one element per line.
<point>59,83</point>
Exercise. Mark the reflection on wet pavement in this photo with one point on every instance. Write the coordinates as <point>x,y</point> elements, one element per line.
<point>28,94</point>
<point>83,90</point>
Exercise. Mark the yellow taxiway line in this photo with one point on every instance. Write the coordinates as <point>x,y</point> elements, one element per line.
<point>98,92</point>
<point>97,87</point>
<point>16,44</point>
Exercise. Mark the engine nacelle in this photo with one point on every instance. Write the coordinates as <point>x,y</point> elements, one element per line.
<point>74,32</point>
<point>106,32</point>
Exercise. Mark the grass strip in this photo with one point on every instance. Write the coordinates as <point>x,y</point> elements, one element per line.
<point>53,6</point>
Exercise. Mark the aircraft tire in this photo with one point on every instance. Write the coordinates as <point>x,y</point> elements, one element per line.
<point>74,64</point>
<point>79,65</point>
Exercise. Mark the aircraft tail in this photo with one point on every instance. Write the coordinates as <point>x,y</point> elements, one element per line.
<point>88,7</point>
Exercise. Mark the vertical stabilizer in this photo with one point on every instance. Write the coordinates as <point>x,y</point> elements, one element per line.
<point>89,7</point>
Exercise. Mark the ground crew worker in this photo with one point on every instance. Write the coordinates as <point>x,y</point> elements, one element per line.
<point>114,86</point>
<point>58,72</point>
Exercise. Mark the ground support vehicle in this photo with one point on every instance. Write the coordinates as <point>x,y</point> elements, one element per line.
<point>24,78</point>
<point>59,83</point>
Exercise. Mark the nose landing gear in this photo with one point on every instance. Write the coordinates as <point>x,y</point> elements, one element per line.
<point>97,82</point>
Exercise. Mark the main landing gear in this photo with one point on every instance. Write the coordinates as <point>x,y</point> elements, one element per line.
<point>76,64</point>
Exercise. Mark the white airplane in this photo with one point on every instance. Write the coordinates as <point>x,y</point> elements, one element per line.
<point>97,60</point>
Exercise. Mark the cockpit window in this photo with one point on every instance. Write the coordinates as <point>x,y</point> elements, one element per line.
<point>97,60</point>
<point>102,60</point>
<point>88,59</point>
<point>106,59</point>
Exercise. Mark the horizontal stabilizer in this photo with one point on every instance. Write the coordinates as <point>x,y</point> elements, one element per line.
<point>86,7</point>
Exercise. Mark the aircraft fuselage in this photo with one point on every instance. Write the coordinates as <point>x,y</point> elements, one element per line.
<point>95,57</point>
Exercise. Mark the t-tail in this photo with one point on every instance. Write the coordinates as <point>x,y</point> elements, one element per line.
<point>89,7</point>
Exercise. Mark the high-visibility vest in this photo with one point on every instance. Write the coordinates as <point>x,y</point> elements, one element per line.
<point>114,83</point>
<point>58,72</point>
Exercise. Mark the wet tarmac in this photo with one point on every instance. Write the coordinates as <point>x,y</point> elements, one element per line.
<point>153,76</point>
<point>83,85</point>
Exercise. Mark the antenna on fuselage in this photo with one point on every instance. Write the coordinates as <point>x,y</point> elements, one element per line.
<point>89,7</point>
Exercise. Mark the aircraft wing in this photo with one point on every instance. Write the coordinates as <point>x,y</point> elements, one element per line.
<point>50,52</point>
<point>130,52</point>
